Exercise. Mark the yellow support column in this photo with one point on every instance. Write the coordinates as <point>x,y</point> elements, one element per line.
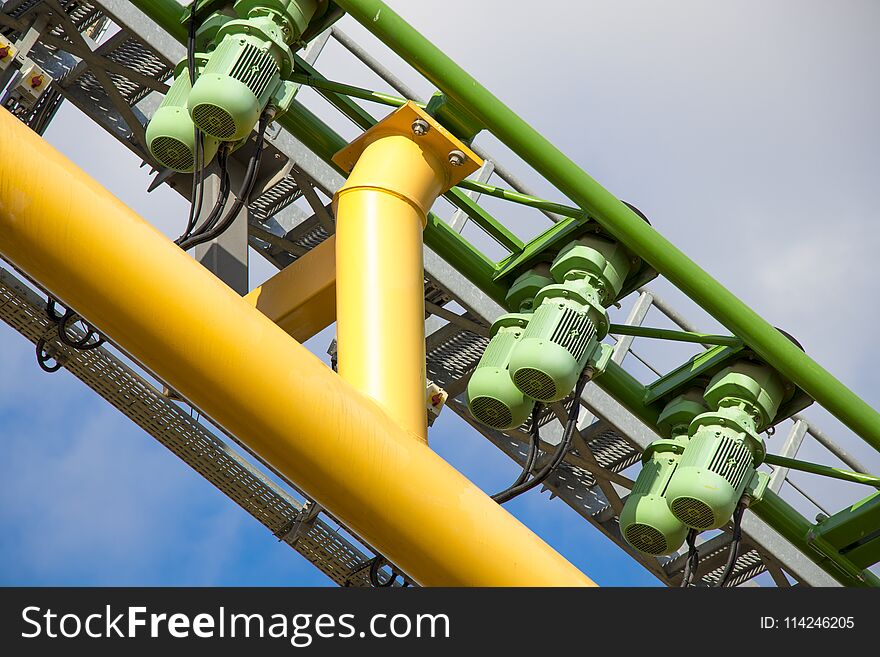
<point>202,339</point>
<point>398,169</point>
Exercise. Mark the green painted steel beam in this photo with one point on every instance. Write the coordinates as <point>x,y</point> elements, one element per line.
<point>676,336</point>
<point>312,132</point>
<point>785,519</point>
<point>494,229</point>
<point>629,393</point>
<point>349,90</point>
<point>513,265</point>
<point>616,217</point>
<point>824,470</point>
<point>703,365</point>
<point>855,531</point>
<point>464,257</point>
<point>522,199</point>
<point>867,553</point>
<point>169,14</point>
<point>852,524</point>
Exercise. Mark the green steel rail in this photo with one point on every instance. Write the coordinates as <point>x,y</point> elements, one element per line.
<point>595,201</point>
<point>522,199</point>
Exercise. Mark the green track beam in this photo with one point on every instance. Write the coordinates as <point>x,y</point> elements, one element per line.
<point>785,519</point>
<point>855,531</point>
<point>349,90</point>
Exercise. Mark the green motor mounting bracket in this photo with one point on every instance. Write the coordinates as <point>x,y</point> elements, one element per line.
<point>701,368</point>
<point>545,246</point>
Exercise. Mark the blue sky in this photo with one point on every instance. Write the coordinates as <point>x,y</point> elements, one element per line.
<point>746,132</point>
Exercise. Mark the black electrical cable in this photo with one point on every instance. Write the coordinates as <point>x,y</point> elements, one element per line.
<point>223,196</point>
<point>197,194</point>
<point>90,340</point>
<point>734,545</point>
<point>558,455</point>
<point>220,203</point>
<point>693,559</point>
<point>198,187</point>
<point>374,574</point>
<point>50,311</point>
<point>43,358</point>
<point>375,566</point>
<point>243,196</point>
<point>192,27</point>
<point>531,455</point>
<point>534,444</point>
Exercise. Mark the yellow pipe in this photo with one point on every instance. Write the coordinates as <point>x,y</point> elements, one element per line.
<point>381,211</point>
<point>201,338</point>
<point>301,298</point>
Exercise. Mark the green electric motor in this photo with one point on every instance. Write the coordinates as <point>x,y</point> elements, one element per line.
<point>493,400</point>
<point>725,446</point>
<point>646,522</point>
<point>170,134</point>
<point>570,317</point>
<point>248,65</point>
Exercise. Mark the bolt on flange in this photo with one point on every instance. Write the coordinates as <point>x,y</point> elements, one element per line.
<point>420,127</point>
<point>456,158</point>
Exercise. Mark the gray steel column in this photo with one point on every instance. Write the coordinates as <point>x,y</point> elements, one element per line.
<point>227,256</point>
<point>789,448</point>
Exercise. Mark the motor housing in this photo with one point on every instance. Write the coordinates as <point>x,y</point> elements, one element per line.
<point>725,447</point>
<point>569,318</point>
<point>171,134</point>
<point>249,63</point>
<point>493,400</point>
<point>646,522</point>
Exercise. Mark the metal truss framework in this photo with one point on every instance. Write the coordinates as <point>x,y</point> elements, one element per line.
<point>112,83</point>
